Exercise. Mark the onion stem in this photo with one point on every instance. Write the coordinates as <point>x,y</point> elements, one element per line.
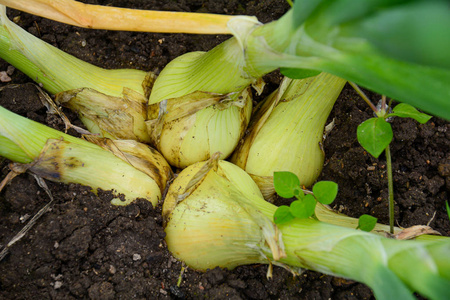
<point>115,18</point>
<point>58,71</point>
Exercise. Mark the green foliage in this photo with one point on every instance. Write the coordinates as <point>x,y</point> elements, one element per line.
<point>303,208</point>
<point>412,32</point>
<point>283,215</point>
<point>325,191</point>
<point>366,223</point>
<point>303,9</point>
<point>404,110</point>
<point>298,73</point>
<point>387,285</point>
<point>397,48</point>
<point>287,185</point>
<point>374,135</point>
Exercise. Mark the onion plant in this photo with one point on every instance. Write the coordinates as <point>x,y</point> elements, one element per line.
<point>314,35</point>
<point>109,102</point>
<point>214,213</point>
<point>396,48</point>
<point>205,120</point>
<point>375,136</point>
<point>215,216</point>
<point>130,169</point>
<point>286,132</point>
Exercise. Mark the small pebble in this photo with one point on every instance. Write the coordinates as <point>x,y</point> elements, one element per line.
<point>136,257</point>
<point>58,284</point>
<point>112,269</point>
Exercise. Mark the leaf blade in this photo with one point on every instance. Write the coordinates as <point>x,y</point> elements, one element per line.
<point>375,135</point>
<point>303,208</point>
<point>325,191</point>
<point>285,183</point>
<point>366,223</point>
<point>282,215</point>
<point>404,110</point>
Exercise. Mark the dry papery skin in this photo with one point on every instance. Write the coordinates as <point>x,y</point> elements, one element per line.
<point>86,248</point>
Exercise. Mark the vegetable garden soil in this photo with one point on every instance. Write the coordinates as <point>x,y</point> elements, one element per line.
<point>85,248</point>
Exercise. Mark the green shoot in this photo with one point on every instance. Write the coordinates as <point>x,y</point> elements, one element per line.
<point>287,185</point>
<point>404,110</point>
<point>303,208</point>
<point>375,136</point>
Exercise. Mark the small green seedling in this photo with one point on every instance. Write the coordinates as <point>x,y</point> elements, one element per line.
<point>376,134</point>
<point>287,185</point>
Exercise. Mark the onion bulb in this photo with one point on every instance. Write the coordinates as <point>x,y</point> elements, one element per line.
<point>190,128</point>
<point>287,131</point>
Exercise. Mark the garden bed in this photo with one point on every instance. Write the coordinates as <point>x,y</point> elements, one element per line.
<point>86,248</point>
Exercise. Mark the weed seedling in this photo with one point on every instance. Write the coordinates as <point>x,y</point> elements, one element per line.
<point>287,185</point>
<point>375,135</point>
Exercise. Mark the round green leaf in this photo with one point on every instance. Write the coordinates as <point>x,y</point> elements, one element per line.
<point>303,208</point>
<point>374,135</point>
<point>282,215</point>
<point>285,183</point>
<point>325,191</point>
<point>367,223</point>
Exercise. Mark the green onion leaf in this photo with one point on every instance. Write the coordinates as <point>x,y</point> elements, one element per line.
<point>298,73</point>
<point>448,209</point>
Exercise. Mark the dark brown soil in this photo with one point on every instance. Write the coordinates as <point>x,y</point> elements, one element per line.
<point>84,248</point>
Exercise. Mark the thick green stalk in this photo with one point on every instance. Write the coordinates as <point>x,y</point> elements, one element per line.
<point>216,71</point>
<point>62,158</point>
<point>58,71</point>
<point>368,258</point>
<point>316,46</point>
